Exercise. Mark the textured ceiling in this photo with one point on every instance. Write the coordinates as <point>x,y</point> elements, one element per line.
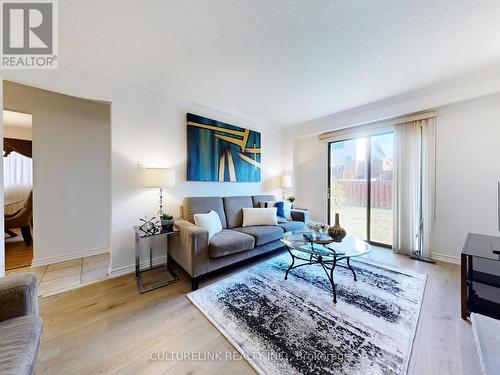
<point>284,62</point>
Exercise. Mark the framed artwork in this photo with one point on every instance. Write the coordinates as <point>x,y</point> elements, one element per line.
<point>217,151</point>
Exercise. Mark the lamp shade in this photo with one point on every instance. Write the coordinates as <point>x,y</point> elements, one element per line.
<point>286,181</point>
<point>159,177</point>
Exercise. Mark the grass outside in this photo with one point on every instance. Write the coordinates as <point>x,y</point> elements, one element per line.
<point>353,220</point>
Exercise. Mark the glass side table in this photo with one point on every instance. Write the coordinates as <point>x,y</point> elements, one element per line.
<point>168,276</point>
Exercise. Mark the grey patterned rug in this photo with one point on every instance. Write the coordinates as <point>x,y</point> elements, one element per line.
<point>292,326</point>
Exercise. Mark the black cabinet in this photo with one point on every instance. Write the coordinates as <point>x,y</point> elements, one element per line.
<point>480,251</point>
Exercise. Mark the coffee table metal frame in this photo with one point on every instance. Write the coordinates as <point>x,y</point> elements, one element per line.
<point>327,258</point>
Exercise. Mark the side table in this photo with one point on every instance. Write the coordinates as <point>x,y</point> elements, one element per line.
<point>486,249</point>
<point>170,276</point>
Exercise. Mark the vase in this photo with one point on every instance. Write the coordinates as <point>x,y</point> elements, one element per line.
<point>337,233</point>
<point>167,224</point>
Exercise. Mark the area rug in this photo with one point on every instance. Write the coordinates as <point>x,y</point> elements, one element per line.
<point>293,327</point>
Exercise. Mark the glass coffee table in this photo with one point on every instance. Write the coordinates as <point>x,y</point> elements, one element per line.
<point>314,251</point>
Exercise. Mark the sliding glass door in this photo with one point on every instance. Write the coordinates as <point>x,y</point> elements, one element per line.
<point>348,185</point>
<point>381,188</point>
<point>361,186</point>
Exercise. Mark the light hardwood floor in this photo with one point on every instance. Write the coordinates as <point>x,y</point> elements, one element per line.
<point>60,277</point>
<point>17,253</point>
<point>108,327</point>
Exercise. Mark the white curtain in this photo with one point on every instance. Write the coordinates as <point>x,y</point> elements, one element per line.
<point>18,180</point>
<point>414,186</point>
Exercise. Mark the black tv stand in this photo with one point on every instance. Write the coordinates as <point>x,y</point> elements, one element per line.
<point>479,246</point>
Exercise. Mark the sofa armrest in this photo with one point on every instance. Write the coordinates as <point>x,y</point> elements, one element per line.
<point>300,215</point>
<point>18,296</point>
<point>190,248</point>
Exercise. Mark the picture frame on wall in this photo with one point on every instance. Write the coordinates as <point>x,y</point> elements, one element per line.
<point>221,152</point>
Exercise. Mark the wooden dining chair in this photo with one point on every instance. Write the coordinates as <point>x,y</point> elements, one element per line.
<point>22,219</point>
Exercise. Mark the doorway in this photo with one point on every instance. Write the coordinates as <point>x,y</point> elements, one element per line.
<point>361,185</point>
<point>18,189</point>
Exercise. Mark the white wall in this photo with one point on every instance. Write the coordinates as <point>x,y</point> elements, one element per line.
<point>310,161</point>
<point>468,169</point>
<point>151,127</point>
<point>71,172</point>
<point>148,124</point>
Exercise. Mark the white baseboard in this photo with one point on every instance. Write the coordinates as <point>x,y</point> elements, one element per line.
<point>64,258</point>
<point>125,270</point>
<point>446,258</point>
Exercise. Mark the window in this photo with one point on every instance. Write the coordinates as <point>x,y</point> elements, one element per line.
<point>361,186</point>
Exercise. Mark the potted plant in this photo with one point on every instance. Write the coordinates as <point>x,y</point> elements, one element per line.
<point>167,221</point>
<point>291,199</point>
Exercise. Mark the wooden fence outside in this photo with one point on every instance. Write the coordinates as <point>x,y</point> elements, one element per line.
<point>355,193</point>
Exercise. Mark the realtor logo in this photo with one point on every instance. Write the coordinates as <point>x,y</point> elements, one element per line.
<point>29,34</point>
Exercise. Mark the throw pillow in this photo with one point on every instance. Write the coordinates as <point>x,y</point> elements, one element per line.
<point>280,205</point>
<point>259,216</point>
<point>210,222</point>
<point>281,208</point>
<point>288,209</point>
<point>266,204</point>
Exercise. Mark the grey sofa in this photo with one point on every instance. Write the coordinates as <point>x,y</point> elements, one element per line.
<point>20,325</point>
<point>199,256</point>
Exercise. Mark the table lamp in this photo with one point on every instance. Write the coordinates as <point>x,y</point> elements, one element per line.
<point>286,182</point>
<point>160,178</point>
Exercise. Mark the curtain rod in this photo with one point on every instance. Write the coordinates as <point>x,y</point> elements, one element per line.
<point>391,121</point>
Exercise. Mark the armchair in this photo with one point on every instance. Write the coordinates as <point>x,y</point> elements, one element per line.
<point>20,326</point>
<point>22,219</point>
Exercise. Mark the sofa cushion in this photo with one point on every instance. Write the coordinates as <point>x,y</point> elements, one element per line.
<point>233,210</point>
<point>229,242</point>
<point>203,205</point>
<point>263,233</point>
<point>292,225</point>
<point>19,342</point>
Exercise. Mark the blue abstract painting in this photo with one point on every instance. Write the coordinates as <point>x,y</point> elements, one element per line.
<point>221,152</point>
